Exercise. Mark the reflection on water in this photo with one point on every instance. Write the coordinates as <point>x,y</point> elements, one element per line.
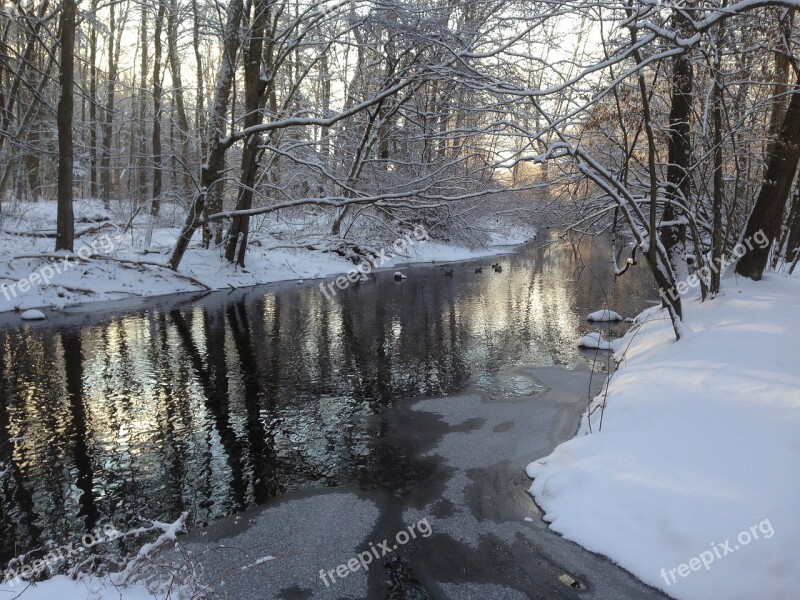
<point>233,400</point>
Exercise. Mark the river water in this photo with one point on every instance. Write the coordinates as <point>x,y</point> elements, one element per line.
<point>217,404</point>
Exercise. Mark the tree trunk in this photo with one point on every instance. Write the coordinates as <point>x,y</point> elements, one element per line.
<point>211,169</point>
<point>793,228</point>
<point>718,202</point>
<point>775,188</point>
<point>65,222</point>
<point>673,236</point>
<point>201,110</point>
<point>142,172</point>
<point>108,122</point>
<point>255,87</point>
<point>93,107</point>
<point>177,92</point>
<point>158,174</point>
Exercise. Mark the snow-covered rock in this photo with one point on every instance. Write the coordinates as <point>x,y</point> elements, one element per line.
<point>32,315</point>
<point>604,315</point>
<point>595,340</point>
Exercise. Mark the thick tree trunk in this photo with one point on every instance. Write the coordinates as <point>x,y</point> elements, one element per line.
<point>177,91</point>
<point>65,222</point>
<point>673,237</point>
<point>255,87</point>
<point>775,188</point>
<point>215,159</point>
<point>793,228</point>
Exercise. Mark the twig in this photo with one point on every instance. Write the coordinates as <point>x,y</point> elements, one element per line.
<point>152,264</point>
<point>52,234</point>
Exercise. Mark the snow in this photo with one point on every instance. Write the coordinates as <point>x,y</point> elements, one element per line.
<point>604,315</point>
<point>125,585</point>
<point>59,280</point>
<point>258,562</point>
<point>597,341</point>
<point>32,315</point>
<point>691,484</point>
<point>65,588</point>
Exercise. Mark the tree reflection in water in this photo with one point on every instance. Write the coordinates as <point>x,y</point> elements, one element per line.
<point>232,400</point>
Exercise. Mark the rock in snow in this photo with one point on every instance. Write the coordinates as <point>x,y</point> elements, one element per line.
<point>398,276</point>
<point>604,315</point>
<point>32,315</point>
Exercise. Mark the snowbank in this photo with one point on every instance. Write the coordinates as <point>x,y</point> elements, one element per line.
<point>692,483</point>
<point>62,587</point>
<point>33,276</point>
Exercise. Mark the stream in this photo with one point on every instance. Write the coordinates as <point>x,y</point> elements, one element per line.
<point>234,402</point>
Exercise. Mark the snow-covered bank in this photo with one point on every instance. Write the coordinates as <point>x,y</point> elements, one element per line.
<point>274,255</point>
<point>65,588</point>
<point>692,483</point>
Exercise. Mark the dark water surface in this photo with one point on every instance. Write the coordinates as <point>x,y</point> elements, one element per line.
<point>218,404</point>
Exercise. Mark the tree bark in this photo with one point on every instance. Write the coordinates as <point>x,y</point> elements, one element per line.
<point>719,184</point>
<point>255,87</point>
<point>93,107</point>
<point>793,228</point>
<point>775,188</point>
<point>158,173</point>
<point>105,166</point>
<point>177,91</point>
<point>65,222</point>
<point>201,110</point>
<point>142,172</point>
<point>211,169</point>
<point>678,188</point>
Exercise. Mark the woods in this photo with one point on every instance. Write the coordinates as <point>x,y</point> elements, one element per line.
<point>672,125</point>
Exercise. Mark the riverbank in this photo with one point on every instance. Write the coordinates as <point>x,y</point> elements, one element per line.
<point>691,484</point>
<point>32,276</point>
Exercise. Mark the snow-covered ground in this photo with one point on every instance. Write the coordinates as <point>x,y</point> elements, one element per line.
<point>692,482</point>
<point>62,587</point>
<point>146,575</point>
<point>277,254</point>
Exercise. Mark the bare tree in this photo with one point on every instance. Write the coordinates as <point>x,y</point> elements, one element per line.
<point>65,222</point>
